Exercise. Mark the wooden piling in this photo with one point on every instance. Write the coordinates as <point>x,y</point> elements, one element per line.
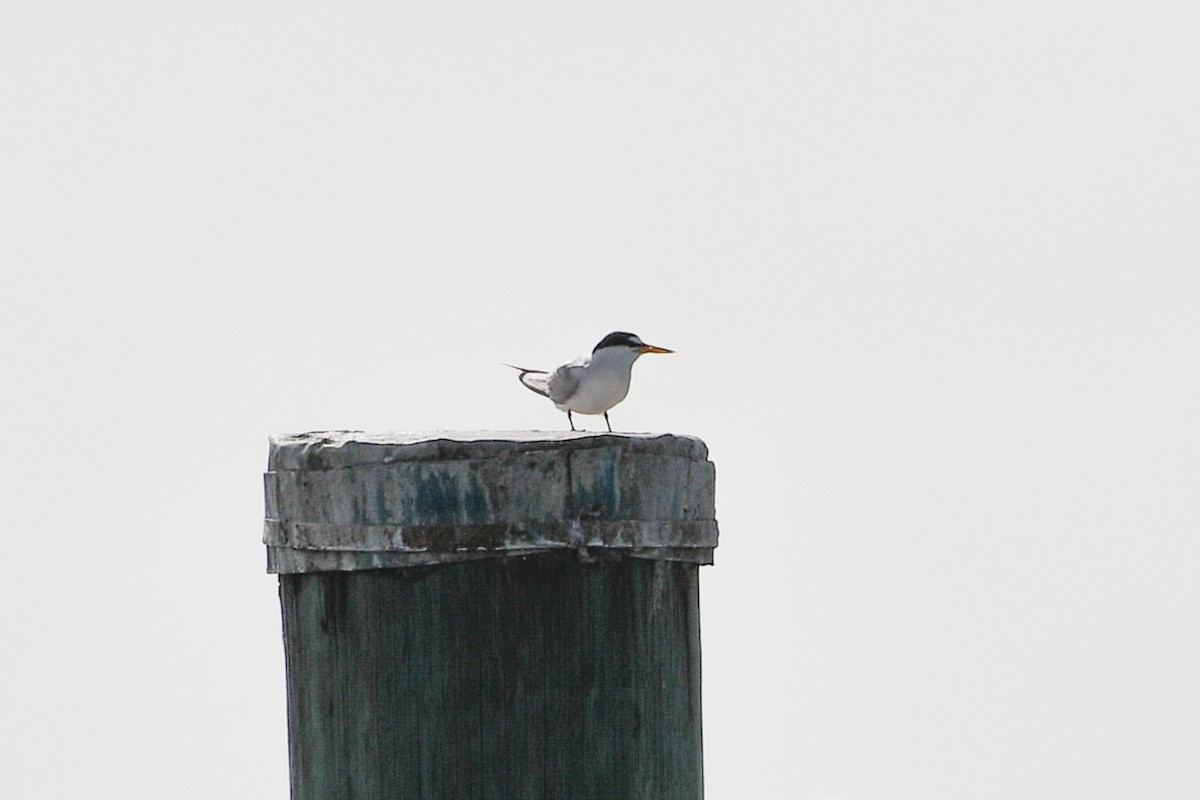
<point>496,616</point>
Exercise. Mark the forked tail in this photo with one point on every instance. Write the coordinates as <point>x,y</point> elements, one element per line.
<point>535,380</point>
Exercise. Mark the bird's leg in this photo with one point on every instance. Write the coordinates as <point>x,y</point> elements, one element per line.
<point>606,422</point>
<point>571,421</point>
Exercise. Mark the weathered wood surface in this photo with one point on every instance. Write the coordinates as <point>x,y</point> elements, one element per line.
<point>341,501</point>
<point>531,677</point>
<point>491,616</point>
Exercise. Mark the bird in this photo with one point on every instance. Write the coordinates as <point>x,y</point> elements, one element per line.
<point>591,385</point>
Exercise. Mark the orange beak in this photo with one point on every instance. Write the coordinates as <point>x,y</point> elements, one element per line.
<point>649,348</point>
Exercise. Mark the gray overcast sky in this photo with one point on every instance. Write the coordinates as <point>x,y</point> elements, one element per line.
<point>931,270</point>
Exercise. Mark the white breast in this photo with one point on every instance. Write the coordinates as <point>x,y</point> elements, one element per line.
<point>595,385</point>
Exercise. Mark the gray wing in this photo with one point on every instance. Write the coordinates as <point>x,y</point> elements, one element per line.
<point>565,381</point>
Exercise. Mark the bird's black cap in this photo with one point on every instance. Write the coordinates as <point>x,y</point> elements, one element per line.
<point>619,339</point>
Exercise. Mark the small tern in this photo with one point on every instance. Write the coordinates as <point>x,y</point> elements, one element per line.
<point>591,385</point>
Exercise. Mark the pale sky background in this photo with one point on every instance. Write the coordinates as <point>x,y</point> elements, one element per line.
<point>932,271</point>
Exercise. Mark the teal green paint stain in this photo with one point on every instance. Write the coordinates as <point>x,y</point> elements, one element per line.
<point>444,498</point>
<point>597,492</point>
<point>630,493</point>
<point>349,488</point>
<point>438,498</point>
<point>382,514</point>
<point>475,503</point>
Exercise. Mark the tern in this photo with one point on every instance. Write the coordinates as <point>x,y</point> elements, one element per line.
<point>591,385</point>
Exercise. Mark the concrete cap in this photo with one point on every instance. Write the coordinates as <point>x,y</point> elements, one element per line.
<point>347,500</point>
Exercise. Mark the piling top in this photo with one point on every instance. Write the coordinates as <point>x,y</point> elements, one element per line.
<point>348,500</point>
